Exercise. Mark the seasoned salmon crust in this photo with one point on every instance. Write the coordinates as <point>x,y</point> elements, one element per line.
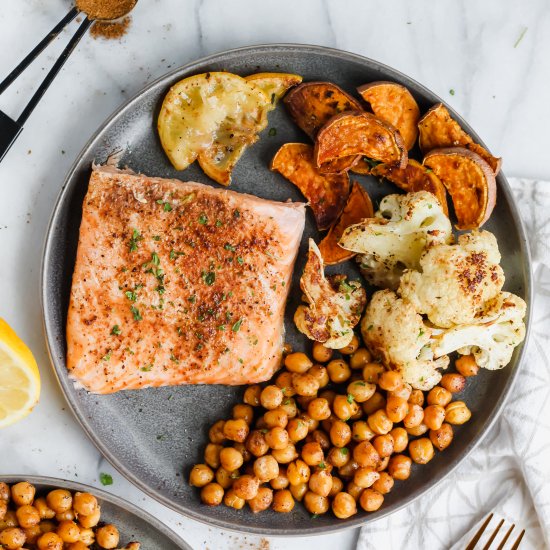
<point>178,283</point>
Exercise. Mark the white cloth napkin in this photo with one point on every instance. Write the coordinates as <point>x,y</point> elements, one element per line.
<point>509,473</point>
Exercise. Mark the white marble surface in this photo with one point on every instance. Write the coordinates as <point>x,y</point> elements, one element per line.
<point>470,47</point>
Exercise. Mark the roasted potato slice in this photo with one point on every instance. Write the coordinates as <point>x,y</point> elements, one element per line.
<point>358,207</point>
<point>274,85</point>
<point>393,103</point>
<point>312,104</point>
<point>469,180</point>
<point>438,129</point>
<point>358,133</point>
<point>326,193</point>
<point>208,110</point>
<point>414,177</point>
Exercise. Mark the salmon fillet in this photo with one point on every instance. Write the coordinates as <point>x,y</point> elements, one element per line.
<point>178,283</point>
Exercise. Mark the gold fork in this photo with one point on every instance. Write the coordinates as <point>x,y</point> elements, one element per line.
<point>477,536</point>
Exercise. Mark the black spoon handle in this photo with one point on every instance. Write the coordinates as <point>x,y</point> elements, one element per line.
<point>38,49</point>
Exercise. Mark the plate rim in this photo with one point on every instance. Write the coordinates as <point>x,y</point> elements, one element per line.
<point>103,495</point>
<point>195,513</point>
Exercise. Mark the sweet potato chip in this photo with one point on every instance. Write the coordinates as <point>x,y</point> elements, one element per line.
<point>326,193</point>
<point>358,207</point>
<point>438,129</point>
<point>312,104</point>
<point>359,133</point>
<point>469,180</point>
<point>414,177</point>
<point>393,103</point>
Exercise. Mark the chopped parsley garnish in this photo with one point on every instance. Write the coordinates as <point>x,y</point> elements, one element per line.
<point>107,356</point>
<point>272,132</point>
<point>314,516</point>
<point>134,239</point>
<point>219,223</point>
<point>236,213</point>
<point>203,219</point>
<point>105,479</point>
<point>192,298</point>
<point>240,260</point>
<point>452,92</point>
<point>221,327</point>
<point>115,331</point>
<point>209,277</point>
<point>156,237</point>
<point>147,368</point>
<point>167,207</point>
<point>420,333</point>
<point>371,162</point>
<point>155,258</point>
<point>370,327</point>
<point>322,466</point>
<point>172,254</point>
<point>350,398</point>
<point>174,358</point>
<point>229,247</point>
<point>344,451</point>
<point>237,325</point>
<point>131,295</point>
<point>136,313</point>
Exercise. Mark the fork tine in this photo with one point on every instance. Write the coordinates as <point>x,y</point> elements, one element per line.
<point>518,541</point>
<point>492,538</point>
<point>477,536</point>
<point>503,541</point>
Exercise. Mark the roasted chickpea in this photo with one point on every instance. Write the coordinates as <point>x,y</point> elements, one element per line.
<point>312,453</point>
<point>434,415</point>
<point>344,406</point>
<point>84,503</point>
<point>67,515</point>
<point>315,504</point>
<point>337,486</point>
<point>319,436</point>
<point>321,353</point>
<point>22,493</point>
<point>354,490</point>
<point>59,500</point>
<point>298,362</point>
<point>246,412</point>
<point>365,455</point>
<point>404,392</point>
<point>200,475</point>
<point>298,472</point>
<point>246,487</point>
<point>466,365</point>
<point>348,470</point>
<point>251,396</point>
<point>88,521</point>
<point>284,381</point>
<point>370,500</point>
<point>27,516</point>
<point>399,467</point>
<point>231,459</point>
<point>3,509</point>
<point>305,384</point>
<point>383,445</point>
<point>365,477</point>
<point>319,409</point>
<point>312,424</point>
<point>277,438</point>
<point>32,534</point>
<point>359,358</point>
<point>276,417</point>
<point>344,505</point>
<point>283,501</point>
<point>256,443</point>
<point>231,500</point>
<point>384,483</point>
<point>453,382</point>
<point>286,455</point>
<point>375,403</point>
<point>236,430</point>
<point>69,531</point>
<point>338,371</point>
<point>383,464</point>
<point>4,491</point>
<point>379,422</point>
<point>397,408</point>
<point>262,501</point>
<point>87,536</point>
<point>271,397</point>
<point>421,450</point>
<point>421,429</point>
<point>372,372</point>
<point>297,430</point>
<point>439,396</point>
<point>416,397</point>
<point>224,478</point>
<point>266,468</point>
<point>390,380</point>
<point>49,541</point>
<point>320,374</point>
<point>351,347</point>
<point>289,407</point>
<point>81,546</point>
<point>211,457</point>
<point>360,431</point>
<point>47,526</point>
<point>338,457</point>
<point>12,538</point>
<point>215,433</point>
<point>414,417</point>
<point>442,438</point>
<point>107,536</point>
<point>44,510</point>
<point>457,412</point>
<point>361,391</point>
<point>281,481</point>
<point>10,520</point>
<point>298,491</point>
<point>320,482</point>
<point>340,433</point>
<point>305,400</point>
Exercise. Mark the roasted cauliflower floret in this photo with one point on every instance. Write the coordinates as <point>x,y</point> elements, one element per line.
<point>397,236</point>
<point>455,283</point>
<point>334,306</point>
<point>492,337</point>
<point>397,334</point>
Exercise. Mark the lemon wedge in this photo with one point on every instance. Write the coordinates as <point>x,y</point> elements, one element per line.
<point>274,85</point>
<point>19,377</point>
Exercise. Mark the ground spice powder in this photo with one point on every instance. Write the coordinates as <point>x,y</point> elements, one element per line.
<point>105,9</point>
<point>110,31</point>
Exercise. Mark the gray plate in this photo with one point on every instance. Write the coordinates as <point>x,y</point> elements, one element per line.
<point>154,436</point>
<point>133,524</point>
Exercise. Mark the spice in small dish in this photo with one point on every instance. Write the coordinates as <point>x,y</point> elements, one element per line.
<point>105,9</point>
